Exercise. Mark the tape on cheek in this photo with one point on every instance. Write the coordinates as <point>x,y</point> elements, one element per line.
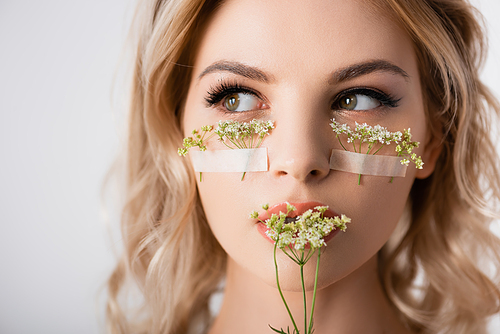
<point>367,164</point>
<point>237,160</point>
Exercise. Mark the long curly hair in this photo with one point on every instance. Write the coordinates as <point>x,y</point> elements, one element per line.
<point>434,267</point>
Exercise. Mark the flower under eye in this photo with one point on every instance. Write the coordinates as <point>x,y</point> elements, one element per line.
<point>241,102</point>
<point>358,102</point>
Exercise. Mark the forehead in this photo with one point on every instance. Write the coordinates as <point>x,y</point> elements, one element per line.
<point>299,37</point>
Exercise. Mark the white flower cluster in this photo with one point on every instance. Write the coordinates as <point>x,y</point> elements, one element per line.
<point>310,228</point>
<point>366,133</point>
<point>196,140</point>
<point>292,235</point>
<point>405,149</point>
<point>242,135</point>
<point>377,134</point>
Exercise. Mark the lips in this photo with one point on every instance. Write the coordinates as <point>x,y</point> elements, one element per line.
<point>300,209</point>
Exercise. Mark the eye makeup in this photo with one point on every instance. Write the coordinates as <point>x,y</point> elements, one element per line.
<point>218,96</point>
<point>386,100</point>
<point>222,90</point>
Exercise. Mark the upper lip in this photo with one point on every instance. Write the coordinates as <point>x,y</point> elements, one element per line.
<point>300,209</point>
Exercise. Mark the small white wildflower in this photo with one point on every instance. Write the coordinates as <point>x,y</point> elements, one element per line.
<point>290,207</point>
<point>375,137</point>
<point>310,228</point>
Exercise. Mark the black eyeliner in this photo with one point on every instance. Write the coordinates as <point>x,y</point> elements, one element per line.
<point>386,100</point>
<point>218,92</point>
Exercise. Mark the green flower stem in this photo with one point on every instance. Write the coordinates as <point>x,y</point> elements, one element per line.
<point>345,149</point>
<point>293,238</point>
<point>279,288</point>
<point>235,143</point>
<point>204,134</point>
<point>309,255</point>
<point>284,251</point>
<point>304,295</point>
<point>359,179</point>
<point>378,150</point>
<point>369,148</point>
<point>314,294</point>
<point>260,141</point>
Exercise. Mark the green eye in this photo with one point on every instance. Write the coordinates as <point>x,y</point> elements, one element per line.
<point>240,102</point>
<point>232,102</point>
<point>358,102</point>
<point>348,102</point>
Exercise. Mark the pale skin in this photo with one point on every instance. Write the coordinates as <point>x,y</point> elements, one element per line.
<point>297,58</point>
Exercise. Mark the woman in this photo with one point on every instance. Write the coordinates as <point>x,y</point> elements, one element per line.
<point>410,262</point>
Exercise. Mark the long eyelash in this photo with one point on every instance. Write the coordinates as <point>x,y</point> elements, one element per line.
<point>223,89</point>
<point>386,99</point>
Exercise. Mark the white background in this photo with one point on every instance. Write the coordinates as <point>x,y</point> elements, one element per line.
<point>58,136</point>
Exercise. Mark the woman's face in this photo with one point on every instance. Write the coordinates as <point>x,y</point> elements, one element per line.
<point>297,63</point>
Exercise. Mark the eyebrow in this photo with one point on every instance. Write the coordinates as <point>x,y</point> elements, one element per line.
<point>340,75</point>
<point>237,68</point>
<point>357,70</point>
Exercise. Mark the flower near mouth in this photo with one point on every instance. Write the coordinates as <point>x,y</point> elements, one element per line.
<point>292,235</point>
<point>310,228</point>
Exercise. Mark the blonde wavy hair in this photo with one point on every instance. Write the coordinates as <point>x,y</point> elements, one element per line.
<point>431,268</point>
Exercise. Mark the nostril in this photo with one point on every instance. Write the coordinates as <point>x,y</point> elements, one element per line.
<point>309,167</point>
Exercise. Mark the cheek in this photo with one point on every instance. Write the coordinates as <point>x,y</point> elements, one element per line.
<point>228,202</point>
<point>379,208</point>
<point>221,195</point>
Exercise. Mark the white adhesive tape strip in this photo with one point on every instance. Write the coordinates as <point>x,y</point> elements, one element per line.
<point>367,164</point>
<point>237,160</point>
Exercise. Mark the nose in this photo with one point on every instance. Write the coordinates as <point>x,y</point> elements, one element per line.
<point>300,147</point>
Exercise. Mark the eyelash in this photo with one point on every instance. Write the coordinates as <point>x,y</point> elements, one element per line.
<point>223,89</point>
<point>217,93</point>
<point>386,100</point>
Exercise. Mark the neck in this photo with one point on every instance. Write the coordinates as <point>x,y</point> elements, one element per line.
<point>355,304</point>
